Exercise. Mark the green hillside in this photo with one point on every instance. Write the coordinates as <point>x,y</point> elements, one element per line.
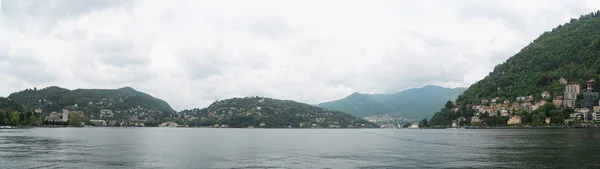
<point>571,51</point>
<point>252,111</point>
<point>358,105</point>
<point>412,103</point>
<point>56,98</point>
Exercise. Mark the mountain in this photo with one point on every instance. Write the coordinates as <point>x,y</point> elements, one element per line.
<point>273,113</point>
<point>90,101</point>
<point>413,103</point>
<point>570,51</point>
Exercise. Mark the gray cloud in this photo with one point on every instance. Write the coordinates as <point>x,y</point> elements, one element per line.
<point>118,51</point>
<point>273,27</point>
<point>22,64</point>
<point>191,53</point>
<point>480,9</point>
<point>56,9</point>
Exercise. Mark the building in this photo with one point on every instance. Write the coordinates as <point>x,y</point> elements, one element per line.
<point>65,115</point>
<point>106,113</point>
<point>504,113</point>
<point>557,101</point>
<point>589,98</point>
<point>413,126</point>
<point>547,120</point>
<point>98,122</point>
<point>540,103</point>
<point>168,124</point>
<point>596,116</point>
<point>484,101</point>
<point>569,103</point>
<point>570,95</point>
<point>506,102</point>
<point>514,120</point>
<point>582,110</point>
<point>545,94</point>
<point>585,113</point>
<point>575,88</point>
<point>474,119</point>
<point>562,80</point>
<point>38,110</point>
<point>53,116</point>
<point>576,116</point>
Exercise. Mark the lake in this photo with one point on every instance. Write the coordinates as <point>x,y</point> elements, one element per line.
<point>179,148</point>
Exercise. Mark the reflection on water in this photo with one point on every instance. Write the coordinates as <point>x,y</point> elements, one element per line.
<point>292,148</point>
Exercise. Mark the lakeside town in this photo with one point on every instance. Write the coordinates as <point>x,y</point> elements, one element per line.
<point>582,105</point>
<point>576,106</point>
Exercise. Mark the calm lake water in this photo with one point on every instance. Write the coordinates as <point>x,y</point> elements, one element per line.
<point>297,148</point>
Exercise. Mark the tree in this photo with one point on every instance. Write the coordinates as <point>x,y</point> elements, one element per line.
<point>535,120</point>
<point>14,118</point>
<point>32,120</point>
<point>424,123</point>
<point>542,116</point>
<point>449,104</point>
<point>556,117</point>
<point>74,120</point>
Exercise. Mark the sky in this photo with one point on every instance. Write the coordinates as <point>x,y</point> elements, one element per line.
<point>193,52</point>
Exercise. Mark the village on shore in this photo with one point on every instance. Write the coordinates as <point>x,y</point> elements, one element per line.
<point>585,109</point>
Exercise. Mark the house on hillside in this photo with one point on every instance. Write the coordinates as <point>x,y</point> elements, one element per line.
<point>585,113</point>
<point>514,120</point>
<point>562,80</point>
<point>596,116</point>
<point>474,119</point>
<point>569,103</point>
<point>557,101</point>
<point>53,117</point>
<point>540,103</point>
<point>494,100</point>
<point>545,94</point>
<point>484,101</point>
<point>504,113</point>
<point>582,110</point>
<point>575,88</point>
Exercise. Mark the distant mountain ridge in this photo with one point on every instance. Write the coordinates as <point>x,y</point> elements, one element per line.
<point>413,103</point>
<point>129,107</point>
<point>271,113</point>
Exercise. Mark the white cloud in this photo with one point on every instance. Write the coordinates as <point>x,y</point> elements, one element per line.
<point>191,53</point>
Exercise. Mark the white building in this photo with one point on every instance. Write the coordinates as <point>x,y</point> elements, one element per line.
<point>414,126</point>
<point>596,116</point>
<point>65,115</point>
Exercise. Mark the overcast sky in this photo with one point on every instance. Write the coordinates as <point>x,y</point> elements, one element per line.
<point>191,53</point>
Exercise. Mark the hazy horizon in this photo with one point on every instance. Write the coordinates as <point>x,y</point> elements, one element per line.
<point>190,53</point>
